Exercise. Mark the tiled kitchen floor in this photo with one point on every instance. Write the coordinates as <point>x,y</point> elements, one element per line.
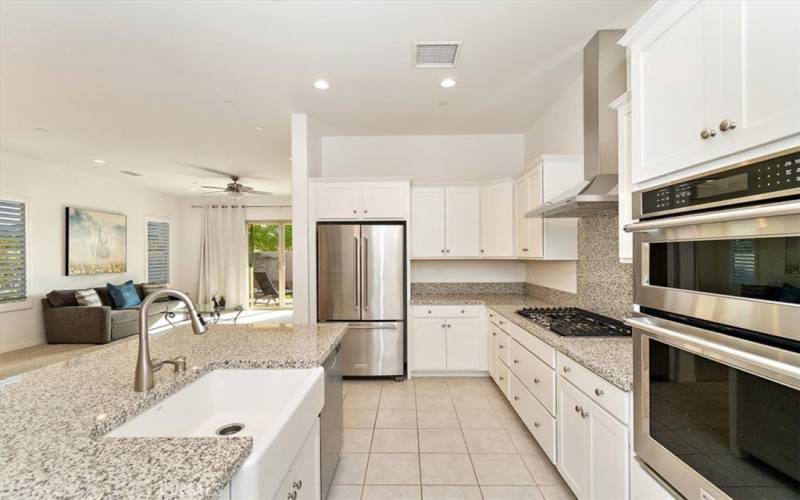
<point>438,439</point>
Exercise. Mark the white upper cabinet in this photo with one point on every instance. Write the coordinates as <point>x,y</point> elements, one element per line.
<point>522,188</point>
<point>462,221</point>
<point>361,200</point>
<point>624,116</point>
<point>338,200</point>
<point>427,222</point>
<point>761,73</point>
<point>497,220</point>
<point>710,79</point>
<point>384,200</point>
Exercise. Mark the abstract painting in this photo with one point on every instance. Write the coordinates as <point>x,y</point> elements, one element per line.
<point>97,242</point>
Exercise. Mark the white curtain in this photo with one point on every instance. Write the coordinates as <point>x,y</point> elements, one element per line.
<point>223,255</point>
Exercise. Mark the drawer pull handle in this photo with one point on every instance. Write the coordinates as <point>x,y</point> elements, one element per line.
<point>578,409</point>
<point>599,392</point>
<point>516,398</point>
<point>536,381</point>
<point>584,414</point>
<point>444,326</point>
<point>429,311</point>
<point>494,334</point>
<point>292,495</point>
<point>297,484</point>
<point>537,424</point>
<point>501,378</point>
<point>462,311</point>
<point>491,315</point>
<point>449,325</point>
<point>567,369</point>
<point>516,361</point>
<point>500,346</point>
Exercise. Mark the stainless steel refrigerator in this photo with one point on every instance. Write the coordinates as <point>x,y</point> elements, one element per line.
<point>361,280</point>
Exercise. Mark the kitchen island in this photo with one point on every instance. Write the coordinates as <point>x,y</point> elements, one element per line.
<point>54,418</point>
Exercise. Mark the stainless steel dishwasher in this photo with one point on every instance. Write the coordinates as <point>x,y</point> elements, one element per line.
<point>331,421</point>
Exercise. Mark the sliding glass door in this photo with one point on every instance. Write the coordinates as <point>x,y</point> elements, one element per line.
<point>270,264</point>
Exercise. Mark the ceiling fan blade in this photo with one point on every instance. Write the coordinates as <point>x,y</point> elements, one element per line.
<point>205,193</point>
<point>257,192</point>
<point>213,187</point>
<point>221,172</point>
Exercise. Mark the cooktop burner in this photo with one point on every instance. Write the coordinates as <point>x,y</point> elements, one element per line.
<point>575,322</point>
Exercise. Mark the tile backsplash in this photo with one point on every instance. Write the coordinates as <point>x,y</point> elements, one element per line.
<point>469,287</point>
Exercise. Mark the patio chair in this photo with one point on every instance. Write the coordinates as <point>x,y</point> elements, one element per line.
<point>266,289</point>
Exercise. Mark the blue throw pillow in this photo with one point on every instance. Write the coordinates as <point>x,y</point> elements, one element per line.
<point>124,295</point>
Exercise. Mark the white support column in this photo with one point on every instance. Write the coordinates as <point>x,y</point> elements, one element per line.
<point>300,229</point>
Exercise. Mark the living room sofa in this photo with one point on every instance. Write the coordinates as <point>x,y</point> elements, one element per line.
<point>66,322</point>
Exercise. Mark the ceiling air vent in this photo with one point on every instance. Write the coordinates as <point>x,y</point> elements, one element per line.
<point>436,54</point>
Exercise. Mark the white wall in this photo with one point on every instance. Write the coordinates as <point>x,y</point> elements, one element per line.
<point>559,130</point>
<point>52,187</point>
<point>424,157</point>
<point>460,271</point>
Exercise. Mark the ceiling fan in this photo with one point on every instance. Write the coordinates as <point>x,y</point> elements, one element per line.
<point>234,189</point>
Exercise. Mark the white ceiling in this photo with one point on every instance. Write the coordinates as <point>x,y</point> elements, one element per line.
<point>156,87</point>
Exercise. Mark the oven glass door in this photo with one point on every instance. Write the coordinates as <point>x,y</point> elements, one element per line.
<point>756,268</point>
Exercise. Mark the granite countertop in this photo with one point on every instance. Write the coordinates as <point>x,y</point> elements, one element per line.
<point>54,418</point>
<point>609,357</point>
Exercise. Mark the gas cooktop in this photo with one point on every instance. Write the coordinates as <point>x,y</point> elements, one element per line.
<point>575,322</point>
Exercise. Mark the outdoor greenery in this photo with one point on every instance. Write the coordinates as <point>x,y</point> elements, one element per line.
<point>265,237</point>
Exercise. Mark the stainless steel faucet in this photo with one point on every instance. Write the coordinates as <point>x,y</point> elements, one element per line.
<point>145,367</point>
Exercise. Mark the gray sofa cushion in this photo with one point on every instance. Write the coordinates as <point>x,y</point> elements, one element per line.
<point>123,316</point>
<point>62,298</point>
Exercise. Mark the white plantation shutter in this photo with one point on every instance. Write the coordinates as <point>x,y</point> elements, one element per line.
<point>743,262</point>
<point>157,252</point>
<point>13,258</point>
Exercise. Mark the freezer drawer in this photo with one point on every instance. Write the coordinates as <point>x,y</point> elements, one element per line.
<point>373,349</point>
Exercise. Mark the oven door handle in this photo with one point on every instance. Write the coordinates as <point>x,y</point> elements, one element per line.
<point>781,365</point>
<point>771,210</point>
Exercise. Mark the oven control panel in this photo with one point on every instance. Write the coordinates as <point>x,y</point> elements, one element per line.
<point>775,175</point>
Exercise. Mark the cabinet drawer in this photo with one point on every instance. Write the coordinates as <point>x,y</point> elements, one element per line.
<point>539,378</point>
<point>502,341</point>
<point>536,418</point>
<point>604,393</point>
<point>502,376</point>
<point>457,311</point>
<point>541,349</point>
<point>495,318</point>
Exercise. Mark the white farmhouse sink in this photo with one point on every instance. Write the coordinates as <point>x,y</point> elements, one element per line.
<point>276,407</point>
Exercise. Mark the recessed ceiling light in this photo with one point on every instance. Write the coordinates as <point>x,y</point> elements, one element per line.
<point>99,161</point>
<point>448,83</point>
<point>443,103</point>
<point>41,129</point>
<point>259,127</point>
<point>322,85</point>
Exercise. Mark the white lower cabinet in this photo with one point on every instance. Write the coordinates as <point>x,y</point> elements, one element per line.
<point>302,480</point>
<point>448,338</point>
<point>573,439</point>
<point>502,377</point>
<point>430,343</point>
<point>535,417</point>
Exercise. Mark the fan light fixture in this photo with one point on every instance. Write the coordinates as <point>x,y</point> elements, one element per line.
<point>322,85</point>
<point>448,83</point>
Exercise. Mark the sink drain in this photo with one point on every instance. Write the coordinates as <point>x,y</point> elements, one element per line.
<point>229,429</point>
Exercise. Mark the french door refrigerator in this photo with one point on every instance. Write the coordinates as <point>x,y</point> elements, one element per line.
<point>361,280</point>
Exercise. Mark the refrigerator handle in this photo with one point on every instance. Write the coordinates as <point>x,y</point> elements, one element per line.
<point>365,274</point>
<point>355,275</point>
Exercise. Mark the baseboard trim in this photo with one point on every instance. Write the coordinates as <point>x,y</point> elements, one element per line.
<point>448,373</point>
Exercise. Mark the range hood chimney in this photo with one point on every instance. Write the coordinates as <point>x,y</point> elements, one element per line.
<point>603,81</point>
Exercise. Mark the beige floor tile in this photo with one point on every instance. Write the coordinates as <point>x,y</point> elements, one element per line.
<point>524,442</point>
<point>351,468</point>
<point>382,492</point>
<point>345,492</point>
<point>441,441</point>
<point>396,419</point>
<point>356,401</point>
<point>395,441</point>
<point>365,387</point>
<point>512,423</point>
<point>393,468</point>
<point>504,469</point>
<point>356,440</point>
<point>542,469</point>
<point>561,492</point>
<point>446,469</point>
<point>440,402</point>
<point>437,419</point>
<point>511,493</point>
<point>471,402</point>
<point>451,493</point>
<point>401,402</point>
<point>478,419</point>
<point>398,388</point>
<point>359,419</point>
<point>432,389</point>
<point>488,441</point>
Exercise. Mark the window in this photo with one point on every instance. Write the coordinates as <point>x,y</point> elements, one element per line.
<point>157,251</point>
<point>14,260</point>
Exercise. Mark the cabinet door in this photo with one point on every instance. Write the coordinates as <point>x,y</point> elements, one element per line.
<point>761,83</point>
<point>536,224</point>
<point>493,351</point>
<point>462,221</point>
<point>609,455</point>
<point>302,480</point>
<point>384,200</point>
<point>573,439</point>
<point>430,343</point>
<point>337,200</point>
<point>464,344</point>
<point>497,220</point>
<point>677,90</point>
<point>522,205</point>
<point>427,222</point>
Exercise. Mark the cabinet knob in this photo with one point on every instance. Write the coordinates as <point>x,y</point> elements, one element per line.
<point>448,250</point>
<point>536,381</point>
<point>444,326</point>
<point>516,361</point>
<point>707,132</point>
<point>292,495</point>
<point>726,125</point>
<point>516,398</point>
<point>599,392</point>
<point>524,249</point>
<point>355,211</point>
<point>429,311</point>
<point>481,250</point>
<point>297,484</point>
<point>537,424</point>
<point>578,409</point>
<point>501,321</point>
<point>500,346</point>
<point>567,369</point>
<point>365,210</point>
<point>442,250</point>
<point>494,334</point>
<point>584,414</point>
<point>462,311</point>
<point>501,378</point>
<point>449,325</point>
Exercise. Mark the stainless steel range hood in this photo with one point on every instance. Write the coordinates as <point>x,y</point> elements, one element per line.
<point>603,81</point>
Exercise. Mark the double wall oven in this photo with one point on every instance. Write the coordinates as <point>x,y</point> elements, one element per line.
<point>717,334</point>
